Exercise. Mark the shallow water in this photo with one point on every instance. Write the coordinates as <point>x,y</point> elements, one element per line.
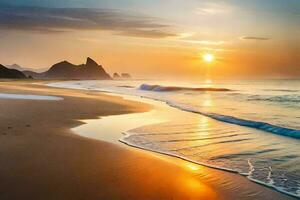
<point>251,128</point>
<point>29,97</point>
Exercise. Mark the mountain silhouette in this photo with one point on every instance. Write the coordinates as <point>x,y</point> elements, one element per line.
<point>15,66</point>
<point>26,69</point>
<point>67,70</point>
<point>10,73</point>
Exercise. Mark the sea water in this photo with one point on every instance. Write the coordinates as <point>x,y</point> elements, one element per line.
<point>248,127</point>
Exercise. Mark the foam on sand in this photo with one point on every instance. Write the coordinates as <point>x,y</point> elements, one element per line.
<point>29,97</point>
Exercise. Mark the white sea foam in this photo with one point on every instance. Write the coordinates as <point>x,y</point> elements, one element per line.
<point>29,97</point>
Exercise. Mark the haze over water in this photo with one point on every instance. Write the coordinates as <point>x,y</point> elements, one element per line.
<point>250,127</point>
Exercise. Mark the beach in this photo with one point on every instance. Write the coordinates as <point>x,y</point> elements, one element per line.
<point>42,158</point>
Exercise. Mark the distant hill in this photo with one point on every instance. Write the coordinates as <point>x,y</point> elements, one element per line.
<point>29,72</point>
<point>25,69</point>
<point>15,66</point>
<point>10,73</point>
<point>125,75</point>
<point>66,70</point>
<point>33,74</point>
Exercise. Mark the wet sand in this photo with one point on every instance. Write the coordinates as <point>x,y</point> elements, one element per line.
<point>41,158</point>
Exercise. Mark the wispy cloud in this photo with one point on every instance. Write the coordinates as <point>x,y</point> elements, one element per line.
<point>209,8</point>
<point>254,38</point>
<point>215,49</point>
<point>53,20</point>
<point>205,42</point>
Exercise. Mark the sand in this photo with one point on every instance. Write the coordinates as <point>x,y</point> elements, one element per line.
<point>41,158</point>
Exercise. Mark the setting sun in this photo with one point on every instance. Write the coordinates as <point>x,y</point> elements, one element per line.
<point>208,57</point>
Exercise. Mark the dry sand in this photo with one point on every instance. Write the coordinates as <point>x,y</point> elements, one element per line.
<point>40,158</point>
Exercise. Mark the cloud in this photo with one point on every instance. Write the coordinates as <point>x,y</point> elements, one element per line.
<point>254,38</point>
<point>215,49</point>
<point>53,20</point>
<point>219,8</point>
<point>204,42</point>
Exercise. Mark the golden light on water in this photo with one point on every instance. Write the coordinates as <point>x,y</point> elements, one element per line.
<point>207,101</point>
<point>208,57</point>
<point>208,82</point>
<point>193,167</point>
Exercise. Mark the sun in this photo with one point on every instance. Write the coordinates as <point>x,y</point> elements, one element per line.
<point>208,57</point>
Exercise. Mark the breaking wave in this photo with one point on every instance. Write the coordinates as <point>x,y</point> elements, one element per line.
<point>160,88</point>
<point>294,133</point>
<point>280,98</point>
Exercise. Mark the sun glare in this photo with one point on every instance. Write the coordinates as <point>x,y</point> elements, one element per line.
<point>208,57</point>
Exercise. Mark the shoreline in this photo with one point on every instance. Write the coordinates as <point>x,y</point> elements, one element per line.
<point>59,141</point>
<point>157,105</point>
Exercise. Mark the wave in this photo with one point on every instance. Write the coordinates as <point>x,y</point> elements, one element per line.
<point>160,88</point>
<point>280,98</point>
<point>264,126</point>
<point>281,90</point>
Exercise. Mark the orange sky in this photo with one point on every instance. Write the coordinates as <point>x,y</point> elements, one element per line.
<point>246,39</point>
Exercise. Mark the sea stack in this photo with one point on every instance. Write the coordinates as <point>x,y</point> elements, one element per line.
<point>66,70</point>
<point>116,76</point>
<point>126,75</point>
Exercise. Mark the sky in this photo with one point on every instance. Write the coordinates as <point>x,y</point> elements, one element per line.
<point>156,38</point>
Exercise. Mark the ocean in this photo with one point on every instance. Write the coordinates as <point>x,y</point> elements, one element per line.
<point>250,127</point>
